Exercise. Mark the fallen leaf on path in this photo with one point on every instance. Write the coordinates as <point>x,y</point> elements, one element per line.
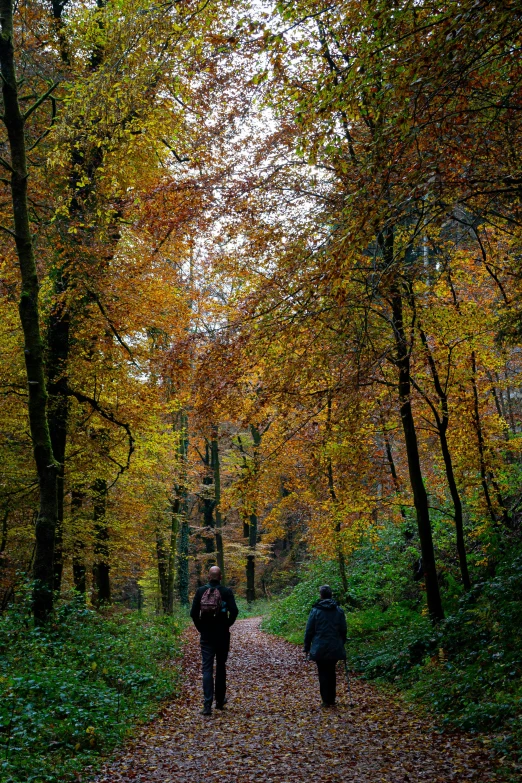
<point>274,730</point>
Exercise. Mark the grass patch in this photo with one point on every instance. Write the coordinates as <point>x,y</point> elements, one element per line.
<point>259,608</point>
<point>72,691</point>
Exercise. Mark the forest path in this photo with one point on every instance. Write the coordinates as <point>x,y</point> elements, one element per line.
<point>273,729</point>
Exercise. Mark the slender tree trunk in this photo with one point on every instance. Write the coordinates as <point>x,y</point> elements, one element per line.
<point>78,556</point>
<point>510,406</point>
<point>57,9</point>
<point>14,120</point>
<point>101,570</point>
<point>457,506</point>
<point>163,571</point>
<point>183,561</point>
<point>184,531</point>
<point>480,440</point>
<point>253,522</point>
<point>58,331</point>
<point>3,534</point>
<point>251,560</point>
<point>499,405</point>
<point>79,570</point>
<point>420,497</point>
<point>391,461</point>
<point>482,454</point>
<point>216,468</point>
<point>208,506</point>
<point>172,559</point>
<point>442,421</point>
<point>250,520</point>
<point>341,560</point>
<point>171,573</point>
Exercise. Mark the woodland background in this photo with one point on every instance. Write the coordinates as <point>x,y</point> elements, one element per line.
<point>273,321</point>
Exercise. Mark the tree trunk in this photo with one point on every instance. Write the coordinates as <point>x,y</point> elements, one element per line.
<point>3,535</point>
<point>78,557</point>
<point>250,520</point>
<point>482,454</point>
<point>217,500</point>
<point>457,505</point>
<point>442,421</point>
<point>499,405</point>
<point>58,331</point>
<point>3,538</point>
<point>251,560</point>
<point>172,559</point>
<point>183,561</point>
<point>253,523</point>
<point>480,440</point>
<point>341,560</point>
<point>59,323</point>
<point>420,497</point>
<point>43,568</point>
<point>208,507</point>
<point>184,531</point>
<point>101,569</point>
<point>391,461</point>
<point>163,571</point>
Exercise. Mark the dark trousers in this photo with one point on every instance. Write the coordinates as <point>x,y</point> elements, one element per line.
<point>218,649</point>
<point>326,672</point>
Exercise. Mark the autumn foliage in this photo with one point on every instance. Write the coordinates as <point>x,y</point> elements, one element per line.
<point>278,260</point>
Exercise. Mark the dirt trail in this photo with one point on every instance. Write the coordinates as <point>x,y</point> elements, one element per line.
<point>273,729</point>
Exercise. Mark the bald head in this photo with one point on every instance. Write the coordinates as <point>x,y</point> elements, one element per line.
<point>214,574</point>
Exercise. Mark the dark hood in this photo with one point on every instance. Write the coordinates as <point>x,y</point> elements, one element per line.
<point>326,603</point>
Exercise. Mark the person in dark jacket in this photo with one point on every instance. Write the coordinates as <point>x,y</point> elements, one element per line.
<point>214,639</point>
<point>324,641</point>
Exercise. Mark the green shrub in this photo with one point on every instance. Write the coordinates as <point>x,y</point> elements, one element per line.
<point>288,615</point>
<point>467,670</point>
<point>70,691</point>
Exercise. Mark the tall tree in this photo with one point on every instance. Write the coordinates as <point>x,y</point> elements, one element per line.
<point>15,121</point>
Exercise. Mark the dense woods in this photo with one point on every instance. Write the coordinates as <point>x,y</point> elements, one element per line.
<point>260,307</point>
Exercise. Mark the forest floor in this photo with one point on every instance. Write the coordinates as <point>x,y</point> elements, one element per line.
<point>274,730</point>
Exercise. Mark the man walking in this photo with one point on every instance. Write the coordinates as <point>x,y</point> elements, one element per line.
<point>324,641</point>
<point>214,611</point>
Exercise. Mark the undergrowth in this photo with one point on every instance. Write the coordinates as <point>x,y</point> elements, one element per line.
<point>467,670</point>
<point>71,691</point>
<point>258,608</point>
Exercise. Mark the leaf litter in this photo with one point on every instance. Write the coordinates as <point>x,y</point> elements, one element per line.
<point>274,730</point>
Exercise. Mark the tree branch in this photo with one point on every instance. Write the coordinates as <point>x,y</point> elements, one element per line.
<point>7,230</point>
<point>112,419</point>
<point>39,102</point>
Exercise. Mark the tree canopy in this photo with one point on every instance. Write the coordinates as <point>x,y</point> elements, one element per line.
<point>260,290</point>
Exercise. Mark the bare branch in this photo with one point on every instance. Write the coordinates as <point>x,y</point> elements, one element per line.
<point>112,419</point>
<point>39,102</point>
<point>8,231</point>
<point>6,165</point>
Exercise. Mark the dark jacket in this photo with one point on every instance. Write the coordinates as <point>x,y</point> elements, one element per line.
<point>326,632</point>
<point>212,628</point>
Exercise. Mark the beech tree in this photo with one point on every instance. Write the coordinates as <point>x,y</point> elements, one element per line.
<point>15,118</point>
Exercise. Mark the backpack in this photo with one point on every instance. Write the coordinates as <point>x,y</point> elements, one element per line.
<point>211,603</point>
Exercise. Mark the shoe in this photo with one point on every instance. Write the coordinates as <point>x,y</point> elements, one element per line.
<point>326,705</point>
<point>206,710</point>
<point>220,705</point>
